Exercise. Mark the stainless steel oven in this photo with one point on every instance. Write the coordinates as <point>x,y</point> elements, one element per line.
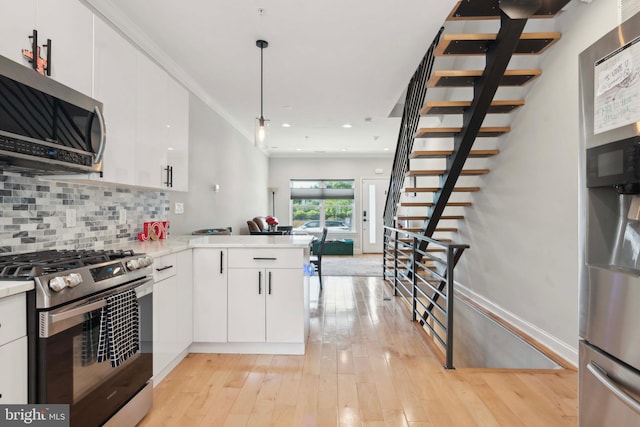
<point>85,308</point>
<point>69,370</point>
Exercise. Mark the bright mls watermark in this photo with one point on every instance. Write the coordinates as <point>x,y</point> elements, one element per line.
<point>34,415</point>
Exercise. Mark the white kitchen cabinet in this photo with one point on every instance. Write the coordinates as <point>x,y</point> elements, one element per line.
<point>69,25</point>
<point>13,372</point>
<point>162,116</point>
<point>16,28</point>
<point>210,295</point>
<point>177,140</point>
<point>115,86</point>
<point>184,300</point>
<point>172,311</point>
<point>265,305</point>
<point>266,296</point>
<point>13,350</point>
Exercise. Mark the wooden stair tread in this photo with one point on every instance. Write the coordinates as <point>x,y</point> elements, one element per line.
<point>459,107</point>
<point>435,154</point>
<point>485,132</point>
<point>467,78</point>
<point>477,44</point>
<point>436,172</point>
<point>489,9</point>
<point>424,217</point>
<point>442,230</point>
<point>429,204</point>
<point>434,189</point>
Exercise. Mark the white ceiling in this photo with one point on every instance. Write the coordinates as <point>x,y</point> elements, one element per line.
<point>328,62</point>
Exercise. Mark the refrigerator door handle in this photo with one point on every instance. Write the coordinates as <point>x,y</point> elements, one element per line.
<point>602,376</point>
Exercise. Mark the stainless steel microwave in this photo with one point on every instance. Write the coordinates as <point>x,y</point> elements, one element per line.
<point>46,127</point>
<point>614,164</point>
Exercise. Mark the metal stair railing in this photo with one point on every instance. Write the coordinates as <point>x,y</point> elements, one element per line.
<point>416,92</point>
<point>422,285</point>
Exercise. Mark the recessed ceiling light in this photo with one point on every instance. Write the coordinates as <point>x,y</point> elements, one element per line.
<point>347,125</point>
<point>286,125</point>
<point>385,149</point>
<point>298,149</point>
<point>343,149</point>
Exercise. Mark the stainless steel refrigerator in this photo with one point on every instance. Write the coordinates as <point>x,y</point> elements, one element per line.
<point>609,372</point>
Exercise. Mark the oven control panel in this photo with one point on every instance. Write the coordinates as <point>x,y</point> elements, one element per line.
<point>107,271</point>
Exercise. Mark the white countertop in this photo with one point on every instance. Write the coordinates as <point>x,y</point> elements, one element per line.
<point>174,244</point>
<point>250,241</point>
<point>12,287</point>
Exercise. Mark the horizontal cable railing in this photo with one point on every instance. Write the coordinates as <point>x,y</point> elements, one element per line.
<point>424,279</point>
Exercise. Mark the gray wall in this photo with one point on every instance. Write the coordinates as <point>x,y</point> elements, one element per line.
<point>522,229</point>
<point>281,170</point>
<point>219,154</point>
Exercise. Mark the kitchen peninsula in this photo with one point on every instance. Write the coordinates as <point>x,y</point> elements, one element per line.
<point>228,294</point>
<point>251,294</point>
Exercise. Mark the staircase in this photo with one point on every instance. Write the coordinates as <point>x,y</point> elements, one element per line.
<point>467,88</point>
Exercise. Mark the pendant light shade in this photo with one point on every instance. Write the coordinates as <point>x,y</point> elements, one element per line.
<point>261,122</point>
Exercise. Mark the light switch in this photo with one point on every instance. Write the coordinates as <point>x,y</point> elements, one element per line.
<point>179,208</point>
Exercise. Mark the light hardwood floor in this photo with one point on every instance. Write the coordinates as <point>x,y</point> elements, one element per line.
<point>366,364</point>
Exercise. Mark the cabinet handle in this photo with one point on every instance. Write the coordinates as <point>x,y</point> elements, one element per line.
<point>264,259</point>
<point>259,282</point>
<point>169,170</point>
<point>221,255</point>
<point>164,268</point>
<point>269,283</point>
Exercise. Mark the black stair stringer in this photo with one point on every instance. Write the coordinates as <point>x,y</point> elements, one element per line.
<point>498,56</point>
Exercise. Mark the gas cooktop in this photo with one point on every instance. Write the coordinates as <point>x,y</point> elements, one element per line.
<point>34,264</point>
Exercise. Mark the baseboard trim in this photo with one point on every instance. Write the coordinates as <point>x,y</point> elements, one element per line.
<point>563,350</point>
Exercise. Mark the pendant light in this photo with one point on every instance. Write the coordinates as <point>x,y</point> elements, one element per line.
<point>261,122</point>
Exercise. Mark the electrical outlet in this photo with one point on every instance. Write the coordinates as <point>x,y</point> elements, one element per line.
<point>179,208</point>
<point>122,216</point>
<point>71,218</point>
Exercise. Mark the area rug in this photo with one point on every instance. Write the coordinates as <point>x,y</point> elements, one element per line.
<point>357,265</point>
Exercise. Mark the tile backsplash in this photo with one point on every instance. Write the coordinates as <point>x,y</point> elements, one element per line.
<point>40,214</point>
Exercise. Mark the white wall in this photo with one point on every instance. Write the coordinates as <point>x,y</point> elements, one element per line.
<point>522,229</point>
<point>282,170</point>
<point>218,154</point>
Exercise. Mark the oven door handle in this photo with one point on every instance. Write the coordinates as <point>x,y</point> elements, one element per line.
<point>74,312</point>
<point>602,376</point>
<point>52,323</point>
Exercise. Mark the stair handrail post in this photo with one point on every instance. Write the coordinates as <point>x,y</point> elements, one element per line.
<point>414,284</point>
<point>395,263</point>
<point>450,297</point>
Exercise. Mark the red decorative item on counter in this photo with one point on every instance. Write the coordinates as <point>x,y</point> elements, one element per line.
<point>154,231</point>
<point>272,220</point>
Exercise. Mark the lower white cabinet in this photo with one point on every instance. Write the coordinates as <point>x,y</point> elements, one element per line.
<point>172,311</point>
<point>13,372</point>
<point>250,300</point>
<point>265,296</point>
<point>265,305</point>
<point>13,350</point>
<point>210,295</point>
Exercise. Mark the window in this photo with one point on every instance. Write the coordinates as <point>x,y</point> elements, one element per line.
<point>322,203</point>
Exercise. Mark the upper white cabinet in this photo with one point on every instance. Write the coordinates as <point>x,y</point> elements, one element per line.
<point>69,25</point>
<point>115,87</point>
<point>162,135</point>
<point>16,28</point>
